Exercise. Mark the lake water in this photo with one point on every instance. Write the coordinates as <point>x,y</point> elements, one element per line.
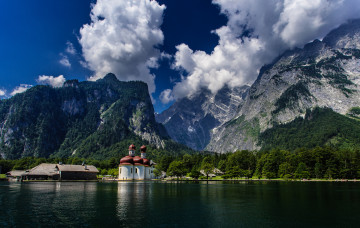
<point>159,204</point>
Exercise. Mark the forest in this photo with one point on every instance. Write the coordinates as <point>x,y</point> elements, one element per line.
<point>302,163</point>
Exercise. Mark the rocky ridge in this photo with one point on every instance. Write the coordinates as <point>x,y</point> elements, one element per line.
<point>190,120</point>
<point>78,119</point>
<point>323,74</point>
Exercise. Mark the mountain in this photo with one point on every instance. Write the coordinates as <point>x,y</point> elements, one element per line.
<point>85,119</point>
<point>323,74</point>
<point>190,120</point>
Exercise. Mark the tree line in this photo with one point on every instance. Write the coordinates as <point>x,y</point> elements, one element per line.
<point>319,163</point>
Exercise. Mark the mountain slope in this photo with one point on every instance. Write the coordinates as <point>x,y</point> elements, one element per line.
<point>322,74</point>
<point>319,127</point>
<point>81,119</point>
<point>190,120</point>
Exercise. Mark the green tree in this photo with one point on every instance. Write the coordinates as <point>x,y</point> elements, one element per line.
<point>235,172</point>
<point>194,174</point>
<point>301,171</point>
<point>272,162</point>
<point>244,159</point>
<point>177,169</point>
<point>113,172</point>
<point>188,162</point>
<point>157,172</point>
<point>317,170</point>
<point>222,165</point>
<point>207,166</point>
<point>285,169</point>
<point>164,163</point>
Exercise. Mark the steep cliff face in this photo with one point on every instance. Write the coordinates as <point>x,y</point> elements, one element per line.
<point>190,120</point>
<point>322,74</point>
<point>78,119</point>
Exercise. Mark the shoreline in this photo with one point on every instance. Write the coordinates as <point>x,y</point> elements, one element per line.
<point>199,180</point>
<point>265,180</point>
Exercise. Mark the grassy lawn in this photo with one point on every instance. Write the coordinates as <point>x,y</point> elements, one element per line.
<point>2,176</point>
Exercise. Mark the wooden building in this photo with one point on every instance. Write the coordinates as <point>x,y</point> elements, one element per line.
<point>77,172</point>
<point>43,171</point>
<point>46,171</point>
<point>15,175</point>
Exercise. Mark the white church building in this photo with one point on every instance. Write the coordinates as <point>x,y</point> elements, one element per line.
<point>134,167</point>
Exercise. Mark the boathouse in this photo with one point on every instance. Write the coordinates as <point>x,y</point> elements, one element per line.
<point>77,172</point>
<point>47,171</point>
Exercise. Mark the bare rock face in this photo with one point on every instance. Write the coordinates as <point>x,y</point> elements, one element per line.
<point>190,120</point>
<point>322,74</point>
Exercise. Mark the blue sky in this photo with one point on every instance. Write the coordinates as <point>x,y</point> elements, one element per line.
<point>177,47</point>
<point>35,36</point>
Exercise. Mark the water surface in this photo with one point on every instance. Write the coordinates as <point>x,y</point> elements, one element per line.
<point>159,204</point>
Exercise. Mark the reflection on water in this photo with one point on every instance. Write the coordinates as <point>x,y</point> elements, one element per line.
<point>134,201</point>
<point>178,204</point>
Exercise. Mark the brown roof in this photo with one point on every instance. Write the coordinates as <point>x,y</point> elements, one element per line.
<point>15,173</point>
<point>78,168</point>
<point>43,169</point>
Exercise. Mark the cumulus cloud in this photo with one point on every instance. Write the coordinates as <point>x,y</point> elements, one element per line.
<point>166,96</point>
<point>51,80</point>
<point>257,31</point>
<point>2,92</point>
<point>64,60</point>
<point>122,39</point>
<point>165,55</point>
<point>20,89</point>
<point>70,48</point>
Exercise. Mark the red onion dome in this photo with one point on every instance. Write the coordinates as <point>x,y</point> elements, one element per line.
<point>138,160</point>
<point>143,149</point>
<point>132,147</point>
<point>146,161</point>
<point>127,160</point>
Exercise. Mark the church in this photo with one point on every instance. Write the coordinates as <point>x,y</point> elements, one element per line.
<point>134,167</point>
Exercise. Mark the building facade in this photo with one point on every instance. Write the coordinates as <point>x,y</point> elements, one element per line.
<point>133,167</point>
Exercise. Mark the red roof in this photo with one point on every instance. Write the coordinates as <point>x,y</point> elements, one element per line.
<point>132,147</point>
<point>127,160</point>
<point>146,161</point>
<point>143,149</point>
<point>138,160</point>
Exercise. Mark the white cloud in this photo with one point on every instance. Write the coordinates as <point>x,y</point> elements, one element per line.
<point>51,80</point>
<point>70,48</point>
<point>64,60</point>
<point>122,39</point>
<point>272,27</point>
<point>166,96</point>
<point>20,89</point>
<point>2,92</point>
<point>165,55</point>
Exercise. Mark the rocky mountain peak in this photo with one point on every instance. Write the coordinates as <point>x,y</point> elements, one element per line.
<point>80,119</point>
<point>322,74</point>
<point>190,121</point>
<point>345,36</point>
<point>110,77</point>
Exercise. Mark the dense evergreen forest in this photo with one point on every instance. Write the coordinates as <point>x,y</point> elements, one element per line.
<point>319,163</point>
<point>320,127</point>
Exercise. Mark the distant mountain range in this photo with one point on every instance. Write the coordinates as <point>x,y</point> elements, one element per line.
<point>307,97</point>
<point>85,119</point>
<point>324,74</point>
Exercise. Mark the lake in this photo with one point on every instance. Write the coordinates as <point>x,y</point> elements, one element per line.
<point>180,204</point>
